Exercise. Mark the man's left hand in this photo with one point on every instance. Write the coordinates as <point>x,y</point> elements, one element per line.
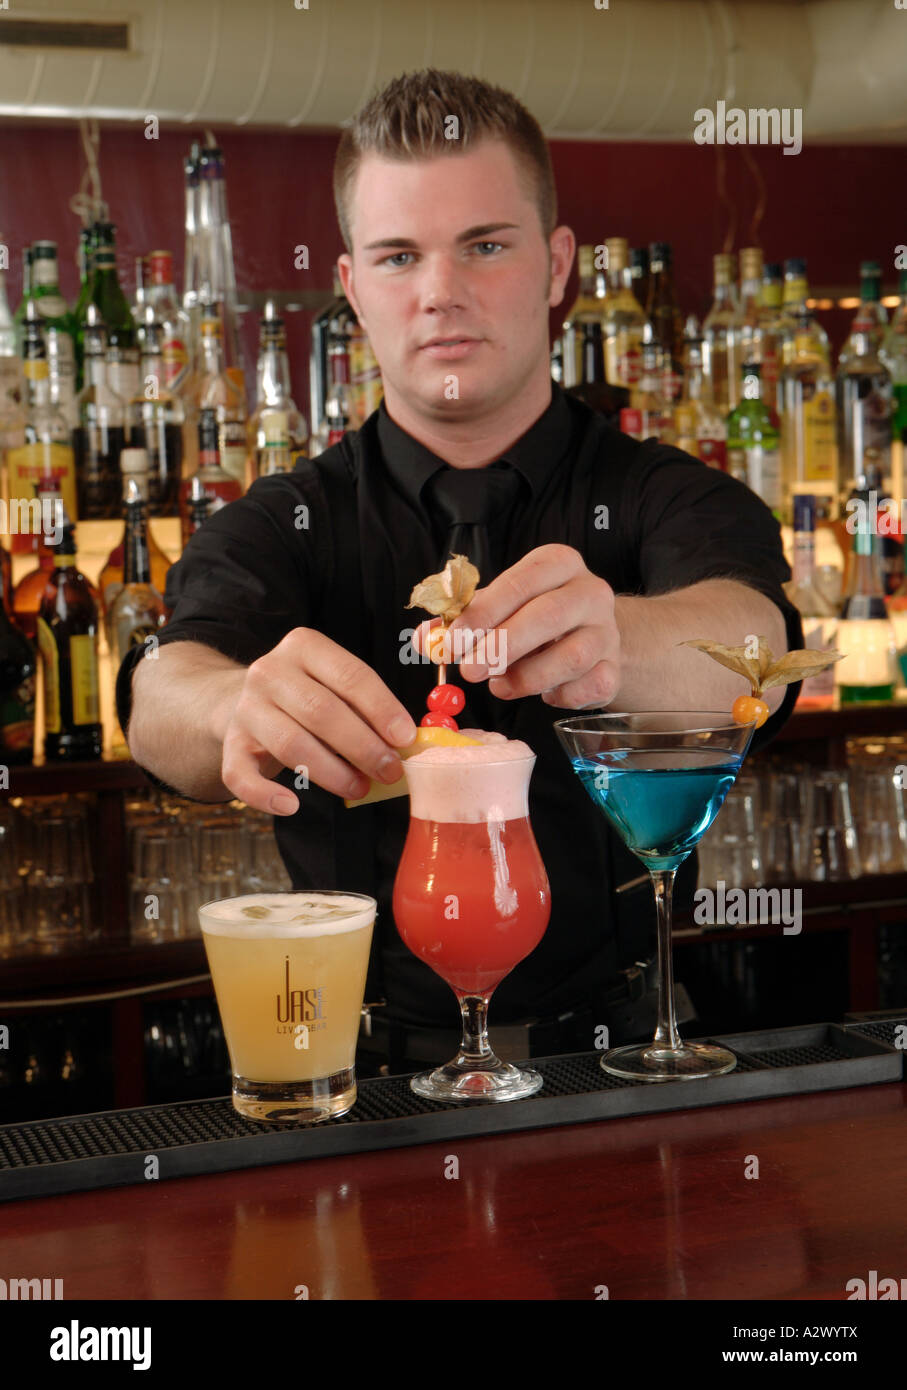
<point>549,623</point>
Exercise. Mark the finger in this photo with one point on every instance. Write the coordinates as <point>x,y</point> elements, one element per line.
<point>570,659</point>
<point>597,687</point>
<point>357,685</point>
<point>282,713</point>
<point>541,622</point>
<point>247,748</point>
<point>546,567</point>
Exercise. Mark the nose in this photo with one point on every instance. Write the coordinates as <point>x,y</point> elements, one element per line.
<point>442,288</point>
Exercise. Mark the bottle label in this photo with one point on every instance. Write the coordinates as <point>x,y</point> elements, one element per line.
<point>233,450</point>
<point>713,452</point>
<point>872,429</point>
<point>763,473</point>
<point>123,378</point>
<point>50,660</point>
<point>174,356</point>
<point>629,364</point>
<point>820,447</point>
<point>631,422</point>
<point>869,652</point>
<point>819,635</point>
<point>17,717</point>
<point>83,662</point>
<point>61,361</point>
<point>27,465</point>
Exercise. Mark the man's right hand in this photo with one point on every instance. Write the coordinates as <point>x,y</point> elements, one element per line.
<point>312,706</point>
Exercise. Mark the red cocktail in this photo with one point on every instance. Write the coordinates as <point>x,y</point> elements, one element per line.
<point>471,896</point>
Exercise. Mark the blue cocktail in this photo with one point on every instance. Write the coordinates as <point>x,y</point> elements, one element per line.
<point>660,778</point>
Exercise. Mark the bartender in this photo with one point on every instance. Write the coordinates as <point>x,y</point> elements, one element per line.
<point>290,675</point>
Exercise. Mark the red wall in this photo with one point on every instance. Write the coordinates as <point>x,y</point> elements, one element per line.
<point>833,205</point>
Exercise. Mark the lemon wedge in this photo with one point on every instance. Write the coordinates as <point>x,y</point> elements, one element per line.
<point>425,738</point>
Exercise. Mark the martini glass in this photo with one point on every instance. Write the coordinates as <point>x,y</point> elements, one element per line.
<point>660,778</point>
<point>471,899</point>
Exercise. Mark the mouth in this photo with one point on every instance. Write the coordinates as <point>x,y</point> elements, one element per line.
<point>453,346</point>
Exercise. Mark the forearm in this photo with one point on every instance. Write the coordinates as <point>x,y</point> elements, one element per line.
<point>657,673</point>
<point>182,699</point>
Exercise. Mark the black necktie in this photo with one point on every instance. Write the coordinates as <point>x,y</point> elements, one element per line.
<point>474,504</point>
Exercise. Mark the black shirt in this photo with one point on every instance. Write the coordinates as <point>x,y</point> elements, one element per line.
<point>338,544</point>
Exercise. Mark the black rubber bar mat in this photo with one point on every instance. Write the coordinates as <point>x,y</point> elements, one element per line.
<point>111,1148</point>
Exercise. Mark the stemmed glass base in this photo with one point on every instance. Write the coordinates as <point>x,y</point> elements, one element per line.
<point>468,1079</point>
<point>651,1062</point>
<point>476,1074</point>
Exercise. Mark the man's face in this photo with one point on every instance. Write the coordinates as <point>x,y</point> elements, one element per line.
<point>452,248</point>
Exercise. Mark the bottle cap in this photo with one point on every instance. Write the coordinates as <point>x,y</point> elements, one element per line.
<point>586,259</point>
<point>616,246</point>
<point>795,268</point>
<point>751,263</point>
<point>724,268</point>
<point>659,254</point>
<point>804,511</point>
<point>133,460</point>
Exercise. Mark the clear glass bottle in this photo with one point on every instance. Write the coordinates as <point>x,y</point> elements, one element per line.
<point>273,395</point>
<point>868,672</point>
<point>894,355</point>
<point>337,411</point>
<point>213,387</point>
<point>809,451</point>
<point>863,395</point>
<point>623,319</point>
<point>798,320</point>
<point>156,421</point>
<point>586,308</point>
<point>47,444</point>
<point>872,315</point>
<point>169,316</point>
<point>134,471</point>
<point>721,339</point>
<point>216,277</point>
<point>650,412</point>
<point>100,435</point>
<point>750,295</point>
<point>697,420</point>
<point>771,335</point>
<point>819,617</point>
<point>59,329</point>
<point>753,452</point>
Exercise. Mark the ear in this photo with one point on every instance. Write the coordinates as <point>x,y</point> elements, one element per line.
<point>562,245</point>
<point>345,267</point>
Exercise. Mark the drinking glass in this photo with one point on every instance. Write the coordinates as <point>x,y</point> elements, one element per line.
<point>159,888</point>
<point>733,847</point>
<point>289,974</point>
<point>660,778</point>
<point>782,830</point>
<point>471,899</point>
<point>880,814</point>
<point>830,847</point>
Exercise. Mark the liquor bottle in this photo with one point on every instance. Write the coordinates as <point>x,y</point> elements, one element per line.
<point>8,332</point>
<point>587,308</point>
<point>87,241</point>
<point>134,473</point>
<point>366,389</point>
<point>156,420</point>
<point>697,420</point>
<point>271,452</point>
<point>59,329</point>
<point>750,293</point>
<point>26,599</point>
<point>198,505</point>
<point>216,278</point>
<point>753,453</point>
<point>650,412</point>
<point>47,446</point>
<point>220,486</point>
<point>273,395</point>
<point>593,388</point>
<point>871,314</point>
<point>116,316</point>
<point>19,317</point>
<point>894,355</point>
<point>721,339</point>
<point>819,617</point>
<point>214,388</point>
<point>623,319</point>
<point>771,331</point>
<point>664,315</point>
<point>867,673</point>
<point>17,691</point>
<point>138,303</point>
<point>319,379</point>
<point>640,274</point>
<point>101,433</point>
<point>169,316</point>
<point>190,253</point>
<point>863,396</point>
<point>12,414</point>
<point>809,452</point>
<point>67,641</point>
<point>137,610</point>
<point>337,410</point>
<point>797,319</point>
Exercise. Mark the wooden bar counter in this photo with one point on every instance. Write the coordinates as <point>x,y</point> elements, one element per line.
<point>650,1207</point>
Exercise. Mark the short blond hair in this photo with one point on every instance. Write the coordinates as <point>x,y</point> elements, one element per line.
<point>409,120</point>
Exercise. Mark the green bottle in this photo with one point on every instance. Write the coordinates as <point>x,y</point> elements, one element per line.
<point>116,315</point>
<point>894,354</point>
<point>868,671</point>
<point>753,450</point>
<point>59,329</point>
<point>19,316</point>
<point>87,240</point>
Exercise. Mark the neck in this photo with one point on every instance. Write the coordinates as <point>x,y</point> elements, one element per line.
<point>474,438</point>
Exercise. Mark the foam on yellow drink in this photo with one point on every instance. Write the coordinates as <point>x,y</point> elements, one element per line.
<point>289,974</point>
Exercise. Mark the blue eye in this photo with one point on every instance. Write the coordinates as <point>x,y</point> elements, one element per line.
<point>388,260</point>
<point>497,244</point>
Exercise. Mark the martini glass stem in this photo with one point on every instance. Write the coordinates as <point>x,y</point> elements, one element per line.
<point>474,1012</point>
<point>666,1034</point>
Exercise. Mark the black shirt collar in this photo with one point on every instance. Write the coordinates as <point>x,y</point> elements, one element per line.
<point>535,455</point>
